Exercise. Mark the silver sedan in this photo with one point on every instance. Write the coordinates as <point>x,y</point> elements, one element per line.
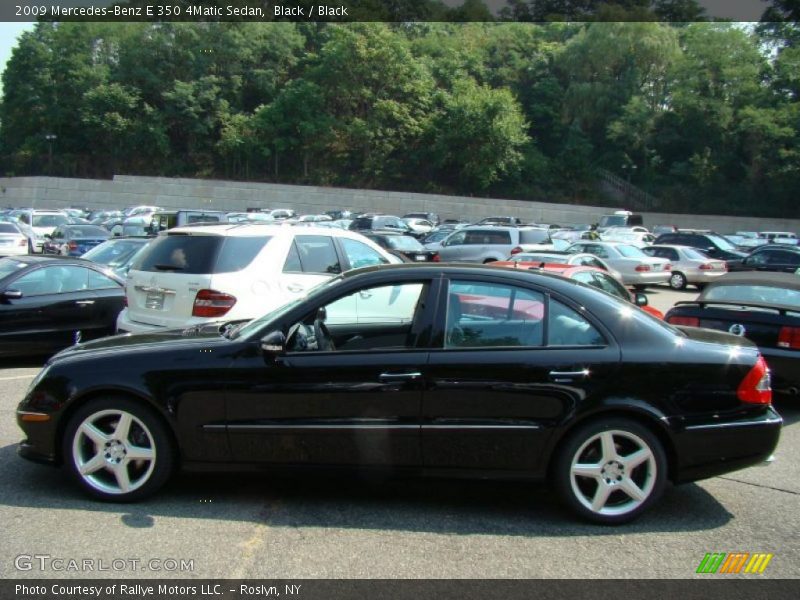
<point>689,265</point>
<point>637,269</point>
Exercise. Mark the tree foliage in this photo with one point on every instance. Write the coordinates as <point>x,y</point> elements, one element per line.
<point>703,115</point>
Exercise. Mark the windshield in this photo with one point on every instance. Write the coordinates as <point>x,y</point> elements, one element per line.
<point>114,253</point>
<point>613,221</point>
<point>257,324</point>
<point>8,266</point>
<point>49,220</point>
<point>721,242</point>
<point>87,231</point>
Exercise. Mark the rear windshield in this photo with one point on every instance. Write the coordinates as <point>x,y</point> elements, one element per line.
<point>721,242</point>
<point>759,294</point>
<point>88,231</point>
<point>196,254</point>
<point>613,221</point>
<point>404,242</point>
<point>8,228</point>
<point>361,223</point>
<point>630,251</point>
<point>534,236</point>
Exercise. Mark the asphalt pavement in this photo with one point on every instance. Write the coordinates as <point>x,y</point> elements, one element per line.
<point>259,526</point>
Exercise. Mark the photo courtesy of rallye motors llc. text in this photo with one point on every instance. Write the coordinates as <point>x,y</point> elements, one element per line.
<point>141,590</point>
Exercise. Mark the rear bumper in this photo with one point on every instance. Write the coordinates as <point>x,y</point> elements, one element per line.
<point>698,276</point>
<point>646,278</point>
<point>711,449</point>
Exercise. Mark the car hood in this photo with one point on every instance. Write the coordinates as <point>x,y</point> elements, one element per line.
<point>712,336</point>
<point>171,338</point>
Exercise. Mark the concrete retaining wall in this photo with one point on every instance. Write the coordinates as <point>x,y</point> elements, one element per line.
<point>125,190</point>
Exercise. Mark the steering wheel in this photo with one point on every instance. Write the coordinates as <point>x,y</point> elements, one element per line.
<point>324,337</point>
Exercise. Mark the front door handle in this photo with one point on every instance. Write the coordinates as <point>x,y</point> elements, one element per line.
<point>391,377</point>
<point>84,302</point>
<point>293,287</point>
<point>583,374</point>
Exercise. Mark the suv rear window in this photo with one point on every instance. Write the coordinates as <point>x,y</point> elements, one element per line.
<point>361,223</point>
<point>196,254</point>
<point>534,236</point>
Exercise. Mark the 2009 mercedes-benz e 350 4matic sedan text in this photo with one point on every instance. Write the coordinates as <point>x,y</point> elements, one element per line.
<point>436,369</point>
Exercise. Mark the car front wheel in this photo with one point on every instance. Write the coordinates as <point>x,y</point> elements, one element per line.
<point>118,450</point>
<point>611,470</point>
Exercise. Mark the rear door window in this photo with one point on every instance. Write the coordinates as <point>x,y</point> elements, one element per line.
<point>318,254</point>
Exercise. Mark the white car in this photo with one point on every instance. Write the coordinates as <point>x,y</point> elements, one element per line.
<point>42,222</point>
<point>637,269</point>
<point>193,275</point>
<point>419,227</point>
<point>12,241</point>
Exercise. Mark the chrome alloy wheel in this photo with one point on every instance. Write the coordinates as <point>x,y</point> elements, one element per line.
<point>114,452</point>
<point>613,473</point>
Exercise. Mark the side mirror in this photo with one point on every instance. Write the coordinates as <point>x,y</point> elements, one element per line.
<point>640,299</point>
<point>11,294</point>
<point>274,342</point>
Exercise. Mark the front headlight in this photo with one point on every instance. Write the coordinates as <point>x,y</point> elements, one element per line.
<point>36,381</point>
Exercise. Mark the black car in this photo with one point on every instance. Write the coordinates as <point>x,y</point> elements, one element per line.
<point>782,258</point>
<point>375,222</point>
<point>441,370</point>
<point>406,247</point>
<point>74,240</point>
<point>48,303</point>
<point>711,244</point>
<point>762,307</point>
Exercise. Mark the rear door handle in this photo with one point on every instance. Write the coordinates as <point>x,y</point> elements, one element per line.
<point>583,374</point>
<point>84,302</point>
<point>390,377</point>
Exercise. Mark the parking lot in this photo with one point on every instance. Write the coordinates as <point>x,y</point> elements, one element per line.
<point>249,526</point>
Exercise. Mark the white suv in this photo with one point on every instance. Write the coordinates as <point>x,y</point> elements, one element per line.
<point>197,274</point>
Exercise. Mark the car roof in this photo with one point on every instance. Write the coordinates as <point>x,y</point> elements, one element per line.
<point>789,247</point>
<point>249,228</point>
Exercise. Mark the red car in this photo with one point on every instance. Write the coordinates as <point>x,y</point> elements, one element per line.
<point>592,276</point>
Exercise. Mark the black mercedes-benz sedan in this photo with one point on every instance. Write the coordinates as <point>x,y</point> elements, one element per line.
<point>48,303</point>
<point>441,370</point>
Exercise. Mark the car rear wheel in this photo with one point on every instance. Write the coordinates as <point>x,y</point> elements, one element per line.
<point>611,470</point>
<point>677,281</point>
<point>118,450</point>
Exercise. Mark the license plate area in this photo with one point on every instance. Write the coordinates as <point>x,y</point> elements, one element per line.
<point>154,300</point>
<point>419,257</point>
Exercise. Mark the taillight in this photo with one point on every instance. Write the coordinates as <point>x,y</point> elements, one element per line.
<point>755,387</point>
<point>789,337</point>
<point>72,246</point>
<point>516,250</point>
<point>706,267</point>
<point>668,267</point>
<point>436,257</point>
<point>642,268</point>
<point>23,242</point>
<point>688,321</point>
<point>211,303</point>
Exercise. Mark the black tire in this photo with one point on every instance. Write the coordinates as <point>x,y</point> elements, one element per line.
<point>639,287</point>
<point>104,453</point>
<point>585,445</point>
<point>677,281</point>
<point>489,260</point>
